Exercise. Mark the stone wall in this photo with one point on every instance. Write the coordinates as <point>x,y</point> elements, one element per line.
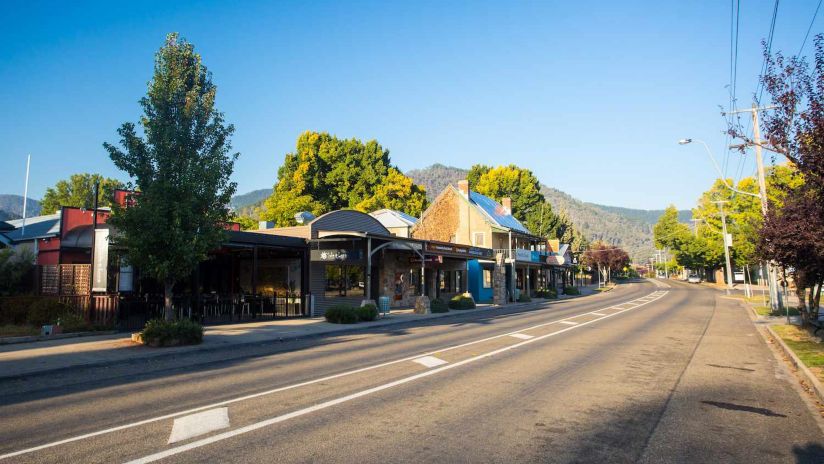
<point>499,281</point>
<point>390,284</point>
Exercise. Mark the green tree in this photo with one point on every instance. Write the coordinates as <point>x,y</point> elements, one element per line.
<point>181,167</point>
<point>518,184</point>
<point>78,191</point>
<point>246,222</point>
<point>326,173</point>
<point>668,232</point>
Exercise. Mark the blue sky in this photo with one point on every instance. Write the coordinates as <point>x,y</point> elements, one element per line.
<point>592,99</point>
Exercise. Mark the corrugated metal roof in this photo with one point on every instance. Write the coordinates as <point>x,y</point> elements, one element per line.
<point>38,226</point>
<point>497,213</point>
<point>393,218</point>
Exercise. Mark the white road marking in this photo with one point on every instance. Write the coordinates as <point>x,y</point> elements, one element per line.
<point>187,427</point>
<point>301,412</point>
<point>598,314</point>
<point>521,336</point>
<point>569,322</point>
<point>430,361</point>
<point>298,385</point>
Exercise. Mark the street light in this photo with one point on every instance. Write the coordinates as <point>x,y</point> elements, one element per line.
<point>717,168</point>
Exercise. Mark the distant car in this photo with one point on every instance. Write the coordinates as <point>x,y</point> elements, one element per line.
<point>694,279</point>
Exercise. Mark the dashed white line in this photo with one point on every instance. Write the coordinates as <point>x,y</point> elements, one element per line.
<point>521,336</point>
<point>190,426</point>
<point>75,438</point>
<point>265,423</point>
<point>430,361</point>
<point>569,322</point>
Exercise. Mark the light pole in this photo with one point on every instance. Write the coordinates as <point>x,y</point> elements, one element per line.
<point>720,204</point>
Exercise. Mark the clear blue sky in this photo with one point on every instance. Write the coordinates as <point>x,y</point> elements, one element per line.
<point>592,99</point>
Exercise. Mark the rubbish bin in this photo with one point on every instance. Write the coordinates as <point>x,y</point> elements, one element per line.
<point>383,305</point>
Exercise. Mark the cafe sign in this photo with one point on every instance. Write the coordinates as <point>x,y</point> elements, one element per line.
<point>334,255</point>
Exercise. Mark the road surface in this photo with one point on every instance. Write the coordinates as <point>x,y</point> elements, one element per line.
<point>650,373</point>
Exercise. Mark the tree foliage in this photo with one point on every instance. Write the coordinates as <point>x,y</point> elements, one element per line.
<point>181,166</point>
<point>606,258</point>
<point>528,203</point>
<point>326,173</point>
<point>78,191</point>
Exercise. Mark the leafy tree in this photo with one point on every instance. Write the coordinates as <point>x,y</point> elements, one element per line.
<point>78,191</point>
<point>792,232</point>
<point>181,166</point>
<point>326,173</point>
<point>475,173</point>
<point>606,258</point>
<point>518,184</point>
<point>668,232</point>
<point>15,266</point>
<point>246,222</point>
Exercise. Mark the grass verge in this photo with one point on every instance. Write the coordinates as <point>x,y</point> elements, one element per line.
<point>11,330</point>
<point>808,348</point>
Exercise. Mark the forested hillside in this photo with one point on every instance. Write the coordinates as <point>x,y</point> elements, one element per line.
<point>11,207</point>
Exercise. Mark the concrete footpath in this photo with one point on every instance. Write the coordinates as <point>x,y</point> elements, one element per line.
<point>19,360</point>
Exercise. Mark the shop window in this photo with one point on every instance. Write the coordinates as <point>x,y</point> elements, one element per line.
<point>345,281</point>
<point>478,239</point>
<point>487,278</point>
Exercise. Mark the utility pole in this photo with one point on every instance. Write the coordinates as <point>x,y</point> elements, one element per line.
<point>695,225</point>
<point>720,204</point>
<point>26,197</point>
<point>775,296</point>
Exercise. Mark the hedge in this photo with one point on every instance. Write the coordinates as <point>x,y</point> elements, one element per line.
<point>571,291</point>
<point>438,305</point>
<point>368,312</point>
<point>159,332</point>
<point>341,314</point>
<point>524,298</point>
<point>461,302</point>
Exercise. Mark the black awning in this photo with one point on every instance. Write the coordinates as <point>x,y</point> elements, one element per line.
<point>240,238</point>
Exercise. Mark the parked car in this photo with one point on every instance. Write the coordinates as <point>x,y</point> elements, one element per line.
<point>694,279</point>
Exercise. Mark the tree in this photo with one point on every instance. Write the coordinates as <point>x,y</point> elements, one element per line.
<point>78,191</point>
<point>246,222</point>
<point>181,166</point>
<point>605,258</point>
<point>792,233</point>
<point>326,173</point>
<point>518,184</point>
<point>668,232</point>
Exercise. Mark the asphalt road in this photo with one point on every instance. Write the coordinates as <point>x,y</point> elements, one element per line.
<point>639,374</point>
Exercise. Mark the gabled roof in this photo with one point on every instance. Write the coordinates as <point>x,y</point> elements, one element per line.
<point>496,213</point>
<point>393,218</point>
<point>36,227</point>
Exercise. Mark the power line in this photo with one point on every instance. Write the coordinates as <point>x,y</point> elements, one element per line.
<point>807,35</point>
<point>760,87</point>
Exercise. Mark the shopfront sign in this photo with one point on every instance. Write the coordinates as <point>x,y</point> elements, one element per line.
<point>460,250</point>
<point>335,255</point>
<point>523,255</point>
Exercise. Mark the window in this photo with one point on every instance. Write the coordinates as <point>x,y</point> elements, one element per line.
<point>487,278</point>
<point>478,239</point>
<point>344,280</point>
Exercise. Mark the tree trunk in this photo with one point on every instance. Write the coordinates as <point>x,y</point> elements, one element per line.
<point>815,301</point>
<point>168,311</point>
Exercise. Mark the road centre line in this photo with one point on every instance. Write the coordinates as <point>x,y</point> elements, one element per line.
<point>301,412</point>
<point>569,322</point>
<point>64,441</point>
<point>522,336</point>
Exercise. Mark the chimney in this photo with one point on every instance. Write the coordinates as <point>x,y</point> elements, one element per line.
<point>463,186</point>
<point>507,204</point>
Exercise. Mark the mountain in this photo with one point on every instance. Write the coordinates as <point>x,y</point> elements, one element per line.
<point>631,229</point>
<point>248,199</point>
<point>11,207</point>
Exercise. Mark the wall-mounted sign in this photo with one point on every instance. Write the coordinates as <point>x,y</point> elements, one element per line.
<point>461,250</point>
<point>523,255</point>
<point>335,255</point>
<point>429,259</point>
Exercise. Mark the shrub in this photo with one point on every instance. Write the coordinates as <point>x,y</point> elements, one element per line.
<point>568,290</point>
<point>14,310</point>
<point>461,302</point>
<point>159,332</point>
<point>367,312</point>
<point>438,305</point>
<point>547,293</point>
<point>71,321</point>
<point>46,311</point>
<point>341,314</point>
<point>524,298</point>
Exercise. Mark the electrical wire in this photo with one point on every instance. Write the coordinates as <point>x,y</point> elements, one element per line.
<point>807,35</point>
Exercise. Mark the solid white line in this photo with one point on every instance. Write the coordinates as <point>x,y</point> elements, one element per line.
<point>430,361</point>
<point>569,322</point>
<point>187,427</point>
<point>344,399</point>
<point>288,387</point>
<point>521,336</point>
<point>598,314</point>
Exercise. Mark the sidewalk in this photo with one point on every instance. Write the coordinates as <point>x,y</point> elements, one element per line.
<point>53,355</point>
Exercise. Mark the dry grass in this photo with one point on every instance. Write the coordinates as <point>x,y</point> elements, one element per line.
<point>18,330</point>
<point>809,349</point>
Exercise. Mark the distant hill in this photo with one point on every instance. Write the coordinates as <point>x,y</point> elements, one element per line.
<point>249,199</point>
<point>628,228</point>
<point>11,207</point>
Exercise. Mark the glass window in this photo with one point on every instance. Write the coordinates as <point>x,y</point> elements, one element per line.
<point>344,280</point>
<point>487,278</point>
<point>479,239</point>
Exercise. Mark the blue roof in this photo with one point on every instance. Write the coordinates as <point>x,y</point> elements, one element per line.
<point>36,227</point>
<point>496,213</point>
